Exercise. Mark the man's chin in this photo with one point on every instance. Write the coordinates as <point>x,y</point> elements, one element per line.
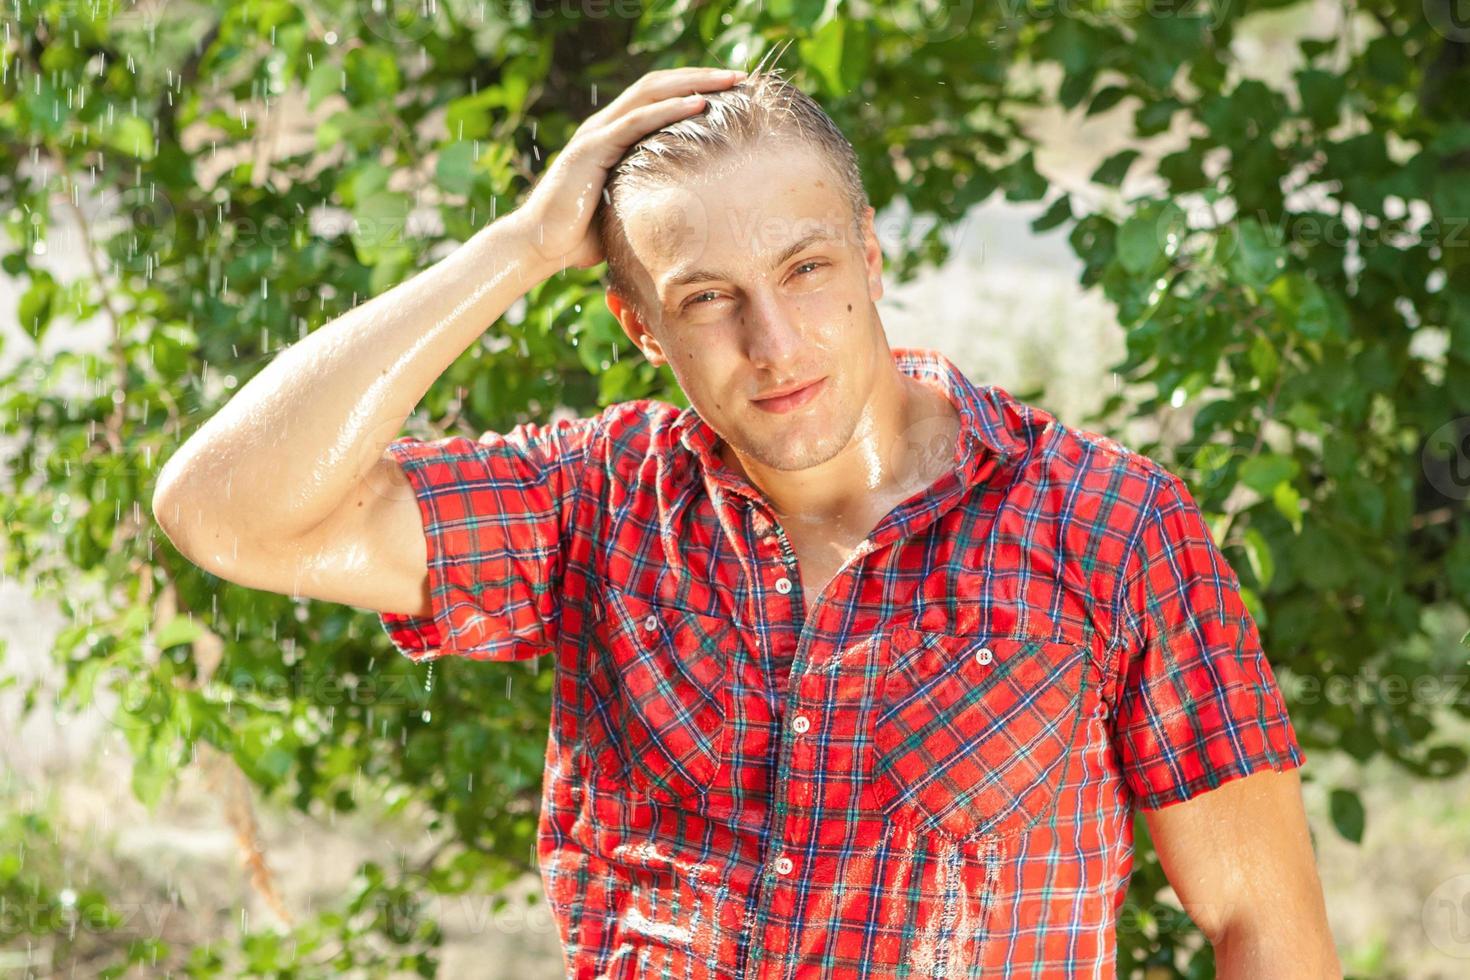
<point>788,453</point>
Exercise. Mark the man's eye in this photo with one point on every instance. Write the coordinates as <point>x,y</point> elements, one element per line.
<point>697,300</point>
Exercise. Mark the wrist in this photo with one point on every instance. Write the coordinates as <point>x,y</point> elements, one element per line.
<point>517,236</point>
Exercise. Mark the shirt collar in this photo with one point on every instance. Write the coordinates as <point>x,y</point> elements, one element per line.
<point>982,409</point>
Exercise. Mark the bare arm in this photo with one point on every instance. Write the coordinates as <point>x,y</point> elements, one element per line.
<point>288,488</point>
<point>1240,858</point>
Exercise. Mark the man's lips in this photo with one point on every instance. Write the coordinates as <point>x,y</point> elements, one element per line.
<point>791,397</point>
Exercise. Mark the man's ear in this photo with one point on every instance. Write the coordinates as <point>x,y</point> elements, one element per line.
<point>873,255</point>
<point>635,328</point>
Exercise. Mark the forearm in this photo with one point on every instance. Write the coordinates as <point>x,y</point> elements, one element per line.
<point>300,435</point>
<point>1252,950</point>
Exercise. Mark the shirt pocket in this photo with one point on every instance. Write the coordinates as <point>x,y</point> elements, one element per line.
<point>659,697</point>
<point>972,735</point>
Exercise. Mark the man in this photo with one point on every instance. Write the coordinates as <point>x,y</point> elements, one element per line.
<point>862,668</point>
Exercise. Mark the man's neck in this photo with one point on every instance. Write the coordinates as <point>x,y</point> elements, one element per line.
<point>878,465</point>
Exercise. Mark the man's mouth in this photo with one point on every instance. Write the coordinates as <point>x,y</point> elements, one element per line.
<point>789,398</point>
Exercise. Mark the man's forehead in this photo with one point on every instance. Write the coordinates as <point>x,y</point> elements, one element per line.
<point>760,250</point>
<point>676,230</point>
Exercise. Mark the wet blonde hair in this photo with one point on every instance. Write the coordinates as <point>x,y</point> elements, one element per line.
<point>761,111</point>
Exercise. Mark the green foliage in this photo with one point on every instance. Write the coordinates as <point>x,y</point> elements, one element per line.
<point>1298,281</point>
<point>58,915</point>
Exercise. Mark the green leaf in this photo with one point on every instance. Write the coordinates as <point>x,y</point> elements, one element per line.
<point>1264,360</point>
<point>1154,116</point>
<point>325,79</point>
<point>1021,180</point>
<point>838,52</point>
<point>1446,761</point>
<point>178,630</point>
<point>1112,170</point>
<point>1138,242</point>
<point>455,169</point>
<point>1288,502</point>
<point>1347,812</point>
<point>1258,554</point>
<point>1262,473</point>
<point>378,224</point>
<point>1060,211</point>
<point>372,76</point>
<point>1105,99</point>
<point>800,14</point>
<point>1255,261</point>
<point>36,304</point>
<point>1321,91</point>
<point>131,135</point>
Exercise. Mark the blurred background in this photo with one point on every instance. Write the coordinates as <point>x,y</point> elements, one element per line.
<point>1232,235</point>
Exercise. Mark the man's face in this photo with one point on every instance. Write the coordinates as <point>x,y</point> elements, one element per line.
<point>756,282</point>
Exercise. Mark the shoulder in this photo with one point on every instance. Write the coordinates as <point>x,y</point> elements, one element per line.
<point>625,436</point>
<point>640,426</point>
<point>1093,472</point>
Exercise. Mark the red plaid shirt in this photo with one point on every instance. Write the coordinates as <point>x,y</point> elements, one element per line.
<point>934,775</point>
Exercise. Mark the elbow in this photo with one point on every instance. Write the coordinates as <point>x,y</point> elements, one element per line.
<point>166,504</point>
<point>1258,949</point>
<point>168,514</point>
<point>180,513</point>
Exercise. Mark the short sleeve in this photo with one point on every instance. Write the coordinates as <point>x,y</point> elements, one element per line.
<point>1195,701</point>
<point>495,513</point>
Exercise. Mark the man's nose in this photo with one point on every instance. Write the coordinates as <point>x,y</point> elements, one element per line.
<point>773,338</point>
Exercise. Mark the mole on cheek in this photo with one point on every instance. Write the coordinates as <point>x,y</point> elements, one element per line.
<point>849,307</point>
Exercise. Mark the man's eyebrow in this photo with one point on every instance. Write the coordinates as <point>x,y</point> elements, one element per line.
<point>687,276</point>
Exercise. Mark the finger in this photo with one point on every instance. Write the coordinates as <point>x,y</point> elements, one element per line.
<point>671,82</point>
<point>623,133</point>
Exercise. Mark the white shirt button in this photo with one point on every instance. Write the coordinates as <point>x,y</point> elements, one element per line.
<point>800,724</point>
<point>783,585</point>
<point>983,655</point>
<point>651,623</point>
<point>783,865</point>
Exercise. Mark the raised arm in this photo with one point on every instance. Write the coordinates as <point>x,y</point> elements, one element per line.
<point>288,488</point>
